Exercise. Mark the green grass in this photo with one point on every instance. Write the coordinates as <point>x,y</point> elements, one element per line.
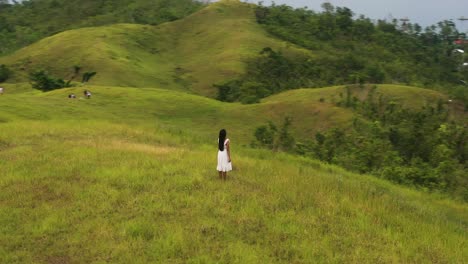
<point>88,191</point>
<point>129,177</point>
<point>198,115</point>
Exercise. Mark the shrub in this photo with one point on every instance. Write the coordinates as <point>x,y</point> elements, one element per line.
<point>5,73</point>
<point>42,81</point>
<point>269,136</point>
<point>87,76</point>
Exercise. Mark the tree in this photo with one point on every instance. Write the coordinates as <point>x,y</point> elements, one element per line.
<point>252,91</point>
<point>344,19</point>
<point>228,91</point>
<point>5,73</point>
<point>42,81</point>
<point>87,76</point>
<point>286,141</point>
<point>269,136</point>
<point>328,7</point>
<point>265,135</point>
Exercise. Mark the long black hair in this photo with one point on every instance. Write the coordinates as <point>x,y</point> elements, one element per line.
<point>221,139</point>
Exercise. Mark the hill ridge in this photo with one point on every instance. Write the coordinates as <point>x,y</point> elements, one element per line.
<point>189,54</point>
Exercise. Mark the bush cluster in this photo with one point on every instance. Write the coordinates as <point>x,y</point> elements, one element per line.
<point>421,148</point>
<point>5,73</point>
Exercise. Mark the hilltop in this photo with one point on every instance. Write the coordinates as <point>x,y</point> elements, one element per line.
<point>249,52</point>
<point>190,54</point>
<point>25,22</point>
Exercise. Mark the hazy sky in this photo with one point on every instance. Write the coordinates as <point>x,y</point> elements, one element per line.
<point>423,12</point>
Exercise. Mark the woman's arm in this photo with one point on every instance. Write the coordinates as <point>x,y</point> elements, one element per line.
<point>228,148</point>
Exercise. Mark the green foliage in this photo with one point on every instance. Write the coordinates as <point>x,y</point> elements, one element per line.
<point>87,76</point>
<point>5,73</point>
<point>228,91</point>
<point>270,73</point>
<point>42,81</point>
<point>413,147</point>
<point>246,91</point>
<point>270,137</point>
<point>273,72</point>
<point>421,147</point>
<point>286,141</point>
<point>266,134</point>
<point>348,50</point>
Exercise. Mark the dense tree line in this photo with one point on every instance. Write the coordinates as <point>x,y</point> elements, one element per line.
<point>347,50</point>
<point>272,72</point>
<point>25,22</point>
<point>41,79</point>
<point>403,52</point>
<point>422,148</point>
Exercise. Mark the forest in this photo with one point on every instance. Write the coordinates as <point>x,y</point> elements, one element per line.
<point>349,50</point>
<point>422,148</point>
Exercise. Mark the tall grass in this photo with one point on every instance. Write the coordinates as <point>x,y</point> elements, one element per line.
<point>97,191</point>
<point>129,176</point>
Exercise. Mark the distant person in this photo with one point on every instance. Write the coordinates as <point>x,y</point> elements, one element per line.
<point>1,91</point>
<point>224,155</point>
<point>87,94</point>
<point>72,96</point>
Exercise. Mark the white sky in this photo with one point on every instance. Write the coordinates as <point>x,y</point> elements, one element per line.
<point>423,12</point>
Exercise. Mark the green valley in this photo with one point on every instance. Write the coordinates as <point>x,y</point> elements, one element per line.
<point>338,157</point>
<point>129,176</point>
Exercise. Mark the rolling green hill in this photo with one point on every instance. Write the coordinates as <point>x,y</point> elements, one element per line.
<point>128,176</point>
<point>310,114</point>
<point>190,54</point>
<point>25,22</point>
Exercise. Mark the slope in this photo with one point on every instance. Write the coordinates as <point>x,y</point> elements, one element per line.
<point>25,22</point>
<point>312,110</point>
<point>128,176</point>
<point>190,54</point>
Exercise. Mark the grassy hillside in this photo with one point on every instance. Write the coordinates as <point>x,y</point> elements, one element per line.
<point>189,54</point>
<point>25,22</point>
<point>191,113</point>
<point>128,176</point>
<point>199,115</point>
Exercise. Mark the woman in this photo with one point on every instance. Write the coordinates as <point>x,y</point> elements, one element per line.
<point>224,155</point>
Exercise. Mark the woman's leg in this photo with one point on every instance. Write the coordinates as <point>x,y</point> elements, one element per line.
<point>220,175</point>
<point>224,175</point>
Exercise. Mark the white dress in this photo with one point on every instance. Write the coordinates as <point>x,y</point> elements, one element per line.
<point>223,159</point>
